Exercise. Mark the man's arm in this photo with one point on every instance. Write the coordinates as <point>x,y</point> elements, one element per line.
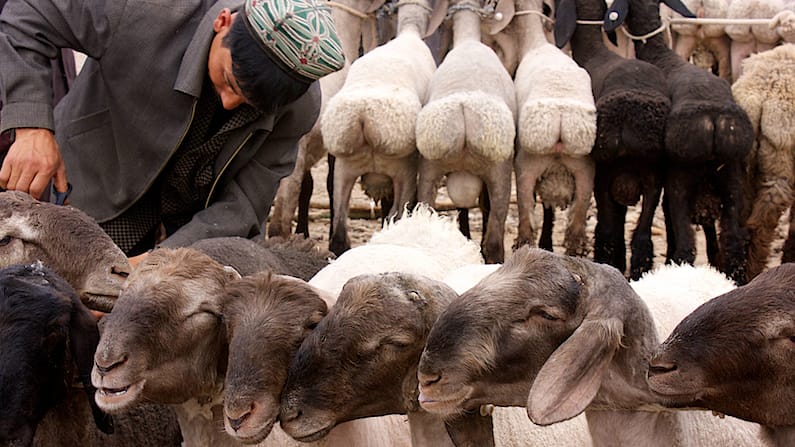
<point>32,32</point>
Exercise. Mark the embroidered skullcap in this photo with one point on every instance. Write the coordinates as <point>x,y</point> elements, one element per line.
<point>297,34</point>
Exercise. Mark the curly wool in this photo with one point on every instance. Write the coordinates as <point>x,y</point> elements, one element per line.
<point>476,121</point>
<point>630,123</point>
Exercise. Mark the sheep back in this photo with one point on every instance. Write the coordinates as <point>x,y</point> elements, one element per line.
<point>555,103</point>
<point>378,104</point>
<point>630,123</point>
<point>714,9</point>
<point>753,9</point>
<point>766,91</point>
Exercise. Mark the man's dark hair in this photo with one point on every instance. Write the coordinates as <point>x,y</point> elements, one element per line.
<point>266,85</point>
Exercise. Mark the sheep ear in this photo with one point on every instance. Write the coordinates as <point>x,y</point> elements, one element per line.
<point>565,22</point>
<point>83,341</point>
<point>231,273</point>
<point>616,14</point>
<point>437,16</point>
<point>471,430</point>
<point>506,10</point>
<point>572,375</point>
<point>679,7</point>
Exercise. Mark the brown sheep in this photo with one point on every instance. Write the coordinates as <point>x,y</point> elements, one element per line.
<point>66,240</point>
<point>736,355</point>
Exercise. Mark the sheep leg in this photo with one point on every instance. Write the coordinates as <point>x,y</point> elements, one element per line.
<point>498,185</point>
<point>676,205</point>
<point>430,174</point>
<point>545,241</point>
<point>330,159</point>
<point>404,185</point>
<point>609,246</point>
<point>720,47</point>
<point>789,244</point>
<point>344,180</point>
<point>733,235</point>
<point>584,170</point>
<point>739,51</point>
<point>304,198</point>
<point>711,239</point>
<point>463,222</point>
<point>642,258</point>
<point>685,45</point>
<point>528,168</point>
<point>773,197</point>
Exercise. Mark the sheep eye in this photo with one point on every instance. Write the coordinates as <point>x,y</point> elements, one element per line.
<point>547,316</point>
<point>5,241</point>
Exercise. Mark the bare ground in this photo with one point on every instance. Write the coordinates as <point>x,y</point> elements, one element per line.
<point>364,222</point>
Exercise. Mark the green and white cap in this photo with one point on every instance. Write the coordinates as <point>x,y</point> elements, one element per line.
<point>299,33</point>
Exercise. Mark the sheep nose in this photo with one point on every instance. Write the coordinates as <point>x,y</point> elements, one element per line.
<point>428,379</point>
<point>106,369</point>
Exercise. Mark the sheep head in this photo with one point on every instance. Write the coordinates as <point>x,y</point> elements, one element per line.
<point>542,331</point>
<point>736,353</point>
<point>47,338</point>
<point>267,316</point>
<point>66,240</point>
<point>361,360</point>
<point>164,342</point>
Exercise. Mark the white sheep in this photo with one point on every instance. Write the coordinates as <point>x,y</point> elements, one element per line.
<point>562,335</point>
<point>422,242</point>
<point>712,38</point>
<point>749,39</point>
<point>369,125</point>
<point>557,129</point>
<point>467,129</point>
<point>766,91</point>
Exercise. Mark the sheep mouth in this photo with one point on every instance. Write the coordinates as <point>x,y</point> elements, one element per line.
<point>100,302</point>
<point>442,404</point>
<point>258,437</point>
<point>314,436</point>
<point>116,398</point>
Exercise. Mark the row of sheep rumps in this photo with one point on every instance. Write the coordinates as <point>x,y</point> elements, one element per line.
<point>632,107</point>
<point>708,138</point>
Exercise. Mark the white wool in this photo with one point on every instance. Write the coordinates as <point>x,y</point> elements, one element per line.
<point>754,9</point>
<point>673,291</point>
<point>422,242</point>
<point>465,277</point>
<point>713,9</point>
<point>555,103</point>
<point>379,102</point>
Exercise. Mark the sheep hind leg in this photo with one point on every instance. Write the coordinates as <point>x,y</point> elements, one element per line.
<point>789,244</point>
<point>711,239</point>
<point>676,206</point>
<point>339,242</point>
<point>528,169</point>
<point>642,258</point>
<point>547,226</point>
<point>733,239</point>
<point>304,198</point>
<point>498,185</point>
<point>609,245</point>
<point>584,170</point>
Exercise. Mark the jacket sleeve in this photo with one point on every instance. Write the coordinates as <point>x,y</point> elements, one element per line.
<point>243,204</point>
<point>31,33</point>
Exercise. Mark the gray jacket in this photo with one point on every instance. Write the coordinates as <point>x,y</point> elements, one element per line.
<point>132,104</point>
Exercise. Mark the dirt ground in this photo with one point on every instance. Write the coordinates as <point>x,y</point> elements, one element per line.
<point>364,222</point>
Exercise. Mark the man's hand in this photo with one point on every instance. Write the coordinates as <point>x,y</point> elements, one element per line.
<point>32,161</point>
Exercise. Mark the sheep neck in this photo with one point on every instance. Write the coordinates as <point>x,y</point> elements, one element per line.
<point>349,28</point>
<point>530,30</point>
<point>656,52</point>
<point>412,18</point>
<point>586,45</point>
<point>779,436</point>
<point>466,26</point>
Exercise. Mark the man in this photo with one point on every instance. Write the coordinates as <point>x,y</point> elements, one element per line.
<point>183,120</point>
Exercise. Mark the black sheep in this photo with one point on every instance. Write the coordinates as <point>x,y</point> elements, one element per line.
<point>708,138</point>
<point>632,105</point>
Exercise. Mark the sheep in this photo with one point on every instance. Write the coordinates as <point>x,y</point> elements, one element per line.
<point>711,37</point>
<point>47,341</point>
<point>281,312</point>
<point>748,39</point>
<point>175,299</point>
<point>422,242</point>
<point>632,107</point>
<point>708,138</point>
<point>560,335</point>
<point>557,129</point>
<point>361,361</point>
<point>293,256</point>
<point>784,24</point>
<point>369,124</point>
<point>734,355</point>
<point>467,128</point>
<point>66,240</point>
<point>355,21</point>
<point>766,91</point>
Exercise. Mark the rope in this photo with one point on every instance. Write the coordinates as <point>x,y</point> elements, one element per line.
<point>715,21</point>
<point>643,38</point>
<point>591,22</point>
<point>350,10</point>
<point>535,13</point>
<point>486,12</point>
